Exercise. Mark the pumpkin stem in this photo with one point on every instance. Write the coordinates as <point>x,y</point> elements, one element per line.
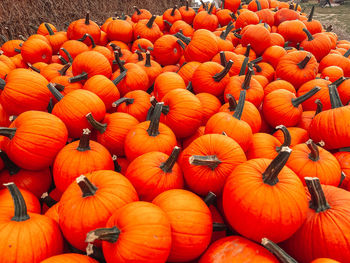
<point>318,200</point>
<point>219,76</point>
<point>258,5</point>
<point>257,60</point>
<point>8,132</point>
<point>181,44</point>
<point>240,105</point>
<point>86,187</point>
<point>100,127</point>
<point>137,10</point>
<point>319,106</point>
<point>296,6</point>
<point>231,102</point>
<point>212,161</point>
<point>58,96</point>
<point>277,251</point>
<point>247,51</point>
<point>309,35</point>
<point>33,68</point>
<point>334,96</point>
<point>297,101</point>
<point>247,79</point>
<point>270,176</point>
<point>119,78</point>
<point>49,29</point>
<point>62,59</point>
<point>233,16</point>
<point>9,165</point>
<point>117,54</point>
<point>223,60</point>
<point>225,32</point>
<point>186,4</point>
<point>3,38</point>
<point>339,81</point>
<point>117,167</point>
<point>87,18</point>
<point>151,21</point>
<point>173,11</point>
<point>168,165</point>
<point>68,54</point>
<point>78,78</point>
<point>21,213</point>
<point>93,44</point>
<point>165,108</point>
<point>244,66</point>
<point>64,69</point>
<point>210,198</point>
<point>211,8</point>
<point>314,153</point>
<point>347,53</point>
<point>185,39</point>
<point>139,55</point>
<point>84,142</point>
<point>127,101</point>
<point>287,139</point>
<point>168,23</point>
<point>217,227</point>
<point>148,59</point>
<point>311,13</point>
<point>59,87</point>
<point>302,64</point>
<point>104,234</point>
<point>48,200</point>
<point>153,129</point>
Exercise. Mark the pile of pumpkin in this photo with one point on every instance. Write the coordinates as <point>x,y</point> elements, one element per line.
<point>186,137</point>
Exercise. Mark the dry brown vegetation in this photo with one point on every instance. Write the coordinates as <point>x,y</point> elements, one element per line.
<point>23,16</point>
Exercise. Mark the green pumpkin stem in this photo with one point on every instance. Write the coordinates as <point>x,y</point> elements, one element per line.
<point>125,100</point>
<point>311,13</point>
<point>244,66</point>
<point>165,108</point>
<point>100,127</point>
<point>270,176</point>
<point>48,200</point>
<point>309,35</point>
<point>21,213</point>
<point>247,79</point>
<point>302,64</point>
<point>64,69</point>
<point>339,81</point>
<point>258,5</point>
<point>181,44</point>
<point>151,21</point>
<point>137,10</point>
<point>173,11</point>
<point>218,227</point>
<point>318,200</point>
<point>240,106</point>
<point>153,128</point>
<point>319,106</point>
<point>148,59</point>
<point>93,44</point>
<point>231,102</point>
<point>212,161</point>
<point>9,165</point>
<point>117,55</point>
<point>84,142</point>
<point>87,188</point>
<point>119,78</point>
<point>185,39</point>
<point>210,199</point>
<point>233,16</point>
<point>334,96</point>
<point>139,54</point>
<point>80,77</point>
<point>297,101</point>
<point>87,18</point>
<point>110,235</point>
<point>247,51</point>
<point>280,254</point>
<point>223,60</point>
<point>287,139</point>
<point>314,153</point>
<point>33,68</point>
<point>219,76</point>
<point>58,86</point>
<point>347,53</point>
<point>168,23</point>
<point>117,167</point>
<point>58,96</point>
<point>49,29</point>
<point>225,32</point>
<point>168,165</point>
<point>8,132</point>
<point>67,54</point>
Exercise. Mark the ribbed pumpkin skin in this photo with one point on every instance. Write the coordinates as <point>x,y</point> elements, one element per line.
<point>79,215</point>
<point>330,230</point>
<point>246,194</point>
<point>25,90</point>
<point>71,163</point>
<point>322,94</point>
<point>45,130</point>
<point>32,202</point>
<point>191,223</point>
<point>263,145</point>
<point>69,258</point>
<point>202,179</point>
<point>236,249</point>
<point>145,228</point>
<point>73,108</point>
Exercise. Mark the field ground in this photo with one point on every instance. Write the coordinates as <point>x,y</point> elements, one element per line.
<point>337,16</point>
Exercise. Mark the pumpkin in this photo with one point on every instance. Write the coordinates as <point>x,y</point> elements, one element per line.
<point>206,20</point>
<point>285,107</point>
<point>246,18</point>
<point>236,248</point>
<point>140,14</point>
<point>20,229</point>
<point>69,258</point>
<point>55,70</point>
<point>172,15</point>
<point>318,44</point>
<point>35,139</point>
<point>253,186</point>
<point>36,50</point>
<point>120,30</point>
<point>324,260</point>
<point>84,156</point>
<point>167,50</point>
<point>343,89</point>
<point>97,193</point>
<point>258,37</point>
<point>279,84</point>
<point>151,67</point>
<point>6,201</point>
<point>191,223</point>
<point>187,13</point>
<point>285,14</point>
<point>140,226</point>
<point>155,172</point>
<point>312,25</point>
<point>141,44</point>
<point>100,49</point>
<point>166,82</point>
<point>183,27</point>
<point>78,28</point>
<point>210,105</point>
<point>336,136</point>
<point>72,48</point>
<point>326,222</point>
<point>206,163</point>
<point>74,118</point>
<point>149,136</point>
<point>341,61</point>
<point>56,39</point>
<point>146,28</point>
<point>332,73</point>
<point>273,54</point>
